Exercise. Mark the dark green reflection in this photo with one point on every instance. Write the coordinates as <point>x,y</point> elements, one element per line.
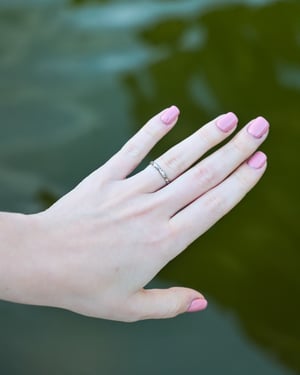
<point>77,79</point>
<point>247,61</point>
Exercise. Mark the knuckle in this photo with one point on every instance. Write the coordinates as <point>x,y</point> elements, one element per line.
<point>169,313</point>
<point>132,149</point>
<point>205,175</point>
<point>175,305</point>
<point>240,146</point>
<point>206,136</point>
<point>149,131</point>
<point>243,180</point>
<point>145,138</point>
<point>216,205</point>
<point>176,310</point>
<point>173,164</point>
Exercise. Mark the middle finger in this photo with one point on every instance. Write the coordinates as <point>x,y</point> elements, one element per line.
<point>212,170</point>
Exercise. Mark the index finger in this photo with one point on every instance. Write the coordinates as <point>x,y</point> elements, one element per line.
<point>135,150</point>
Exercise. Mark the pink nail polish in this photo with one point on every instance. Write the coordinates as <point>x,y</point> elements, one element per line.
<point>227,122</point>
<point>258,127</point>
<point>258,160</point>
<point>170,115</point>
<point>197,305</point>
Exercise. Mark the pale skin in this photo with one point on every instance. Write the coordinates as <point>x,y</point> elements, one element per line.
<point>96,249</point>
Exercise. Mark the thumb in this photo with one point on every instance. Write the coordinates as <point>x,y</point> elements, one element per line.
<point>167,303</point>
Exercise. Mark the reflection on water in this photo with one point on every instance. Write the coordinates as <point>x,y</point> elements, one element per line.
<point>77,79</point>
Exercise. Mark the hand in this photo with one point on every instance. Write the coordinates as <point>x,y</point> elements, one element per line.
<point>102,243</point>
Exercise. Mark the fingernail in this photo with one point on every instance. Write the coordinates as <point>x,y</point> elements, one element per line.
<point>227,122</point>
<point>197,305</point>
<point>170,115</point>
<point>258,127</point>
<point>257,160</point>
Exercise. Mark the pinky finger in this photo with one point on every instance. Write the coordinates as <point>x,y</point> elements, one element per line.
<point>199,216</point>
<point>135,150</point>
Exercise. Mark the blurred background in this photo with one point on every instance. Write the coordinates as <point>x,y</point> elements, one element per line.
<point>77,79</point>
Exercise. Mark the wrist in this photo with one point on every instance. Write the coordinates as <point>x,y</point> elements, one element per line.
<point>24,265</point>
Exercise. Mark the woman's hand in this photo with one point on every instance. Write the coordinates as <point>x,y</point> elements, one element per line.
<point>98,246</point>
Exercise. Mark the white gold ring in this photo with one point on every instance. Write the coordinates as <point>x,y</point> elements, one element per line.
<point>160,171</point>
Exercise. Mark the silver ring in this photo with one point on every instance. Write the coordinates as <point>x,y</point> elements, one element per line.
<point>160,171</point>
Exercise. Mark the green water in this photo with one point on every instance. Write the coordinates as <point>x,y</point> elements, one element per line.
<point>78,78</point>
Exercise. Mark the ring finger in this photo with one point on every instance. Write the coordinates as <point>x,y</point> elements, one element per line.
<point>212,170</point>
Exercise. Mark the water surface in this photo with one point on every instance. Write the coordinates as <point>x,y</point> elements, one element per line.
<point>77,79</point>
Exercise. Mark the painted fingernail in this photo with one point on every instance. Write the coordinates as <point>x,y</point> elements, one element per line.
<point>170,115</point>
<point>258,160</point>
<point>227,122</point>
<point>258,127</point>
<point>197,305</point>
